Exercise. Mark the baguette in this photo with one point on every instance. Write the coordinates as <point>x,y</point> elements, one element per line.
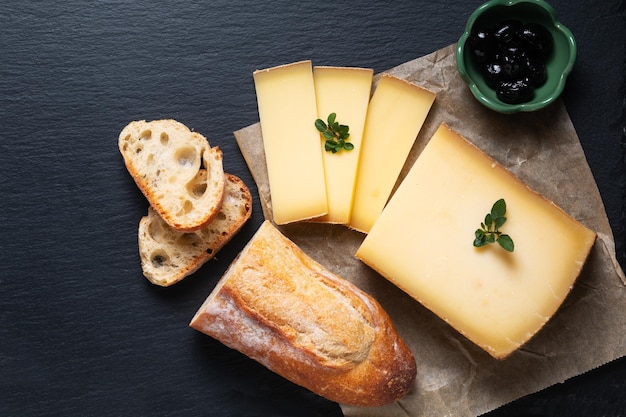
<point>281,308</point>
<point>168,256</point>
<point>179,173</point>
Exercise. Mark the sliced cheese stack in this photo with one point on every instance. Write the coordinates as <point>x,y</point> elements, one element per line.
<point>423,243</point>
<point>346,92</point>
<point>395,116</point>
<point>287,111</point>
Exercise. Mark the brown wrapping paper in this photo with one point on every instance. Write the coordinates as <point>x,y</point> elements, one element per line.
<point>454,377</point>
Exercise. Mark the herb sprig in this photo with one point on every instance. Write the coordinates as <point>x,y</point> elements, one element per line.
<point>489,231</point>
<point>336,135</point>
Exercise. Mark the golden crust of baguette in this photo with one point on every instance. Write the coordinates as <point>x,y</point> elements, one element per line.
<point>168,256</point>
<point>179,173</point>
<point>278,306</point>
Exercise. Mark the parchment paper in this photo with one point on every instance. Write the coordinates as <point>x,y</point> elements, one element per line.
<point>454,377</point>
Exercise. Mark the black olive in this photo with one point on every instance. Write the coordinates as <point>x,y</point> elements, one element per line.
<point>537,38</point>
<point>515,91</point>
<point>492,73</point>
<point>536,71</point>
<point>482,44</point>
<point>513,59</point>
<point>507,31</point>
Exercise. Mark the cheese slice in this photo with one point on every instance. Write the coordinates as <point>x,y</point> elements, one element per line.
<point>345,92</point>
<point>423,243</point>
<point>295,168</point>
<point>395,116</point>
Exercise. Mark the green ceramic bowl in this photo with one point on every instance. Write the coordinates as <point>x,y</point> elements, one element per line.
<point>559,63</point>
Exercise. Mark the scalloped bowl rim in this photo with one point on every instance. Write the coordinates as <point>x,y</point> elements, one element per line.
<point>528,106</point>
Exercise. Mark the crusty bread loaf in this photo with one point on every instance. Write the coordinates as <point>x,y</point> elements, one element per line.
<point>278,306</point>
<point>168,256</point>
<point>179,173</point>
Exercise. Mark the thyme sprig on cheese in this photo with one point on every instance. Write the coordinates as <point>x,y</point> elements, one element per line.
<point>336,135</point>
<point>489,231</point>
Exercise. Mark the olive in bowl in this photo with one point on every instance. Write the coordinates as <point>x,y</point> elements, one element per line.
<point>515,55</point>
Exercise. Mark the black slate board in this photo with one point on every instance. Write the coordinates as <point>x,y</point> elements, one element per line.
<point>81,331</point>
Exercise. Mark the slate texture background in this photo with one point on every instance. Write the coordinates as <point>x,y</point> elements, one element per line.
<point>81,331</point>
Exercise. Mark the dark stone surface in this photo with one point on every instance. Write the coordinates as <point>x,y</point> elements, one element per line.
<point>81,331</point>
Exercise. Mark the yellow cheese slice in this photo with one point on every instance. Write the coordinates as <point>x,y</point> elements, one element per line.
<point>346,92</point>
<point>295,168</point>
<point>423,243</point>
<point>395,116</point>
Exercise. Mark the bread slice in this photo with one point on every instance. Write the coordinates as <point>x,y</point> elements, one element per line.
<point>281,308</point>
<point>168,256</point>
<point>179,173</point>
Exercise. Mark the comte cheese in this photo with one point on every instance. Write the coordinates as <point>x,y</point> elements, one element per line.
<point>395,116</point>
<point>346,92</point>
<point>423,242</point>
<point>287,111</point>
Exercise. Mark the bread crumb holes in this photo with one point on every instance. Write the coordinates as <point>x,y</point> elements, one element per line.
<point>186,156</point>
<point>199,189</point>
<point>164,138</point>
<point>145,135</point>
<point>189,239</point>
<point>186,208</point>
<point>155,231</point>
<point>159,259</point>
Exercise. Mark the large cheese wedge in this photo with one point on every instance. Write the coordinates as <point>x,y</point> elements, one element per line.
<point>287,111</point>
<point>423,243</point>
<point>395,116</point>
<point>346,92</point>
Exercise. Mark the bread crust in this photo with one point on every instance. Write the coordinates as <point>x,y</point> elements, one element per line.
<point>176,169</point>
<point>283,309</point>
<point>168,255</point>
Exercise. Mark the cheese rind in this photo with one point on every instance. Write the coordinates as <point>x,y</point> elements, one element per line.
<point>295,168</point>
<point>423,243</point>
<point>395,116</point>
<point>346,92</point>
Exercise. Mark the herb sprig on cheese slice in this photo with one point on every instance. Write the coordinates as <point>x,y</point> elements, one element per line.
<point>345,92</point>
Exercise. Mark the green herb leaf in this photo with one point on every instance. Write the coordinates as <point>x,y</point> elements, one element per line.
<point>506,242</point>
<point>335,134</point>
<point>480,239</point>
<point>488,220</point>
<point>320,125</point>
<point>328,135</point>
<point>498,222</point>
<point>489,231</point>
<point>498,209</point>
<point>343,131</point>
